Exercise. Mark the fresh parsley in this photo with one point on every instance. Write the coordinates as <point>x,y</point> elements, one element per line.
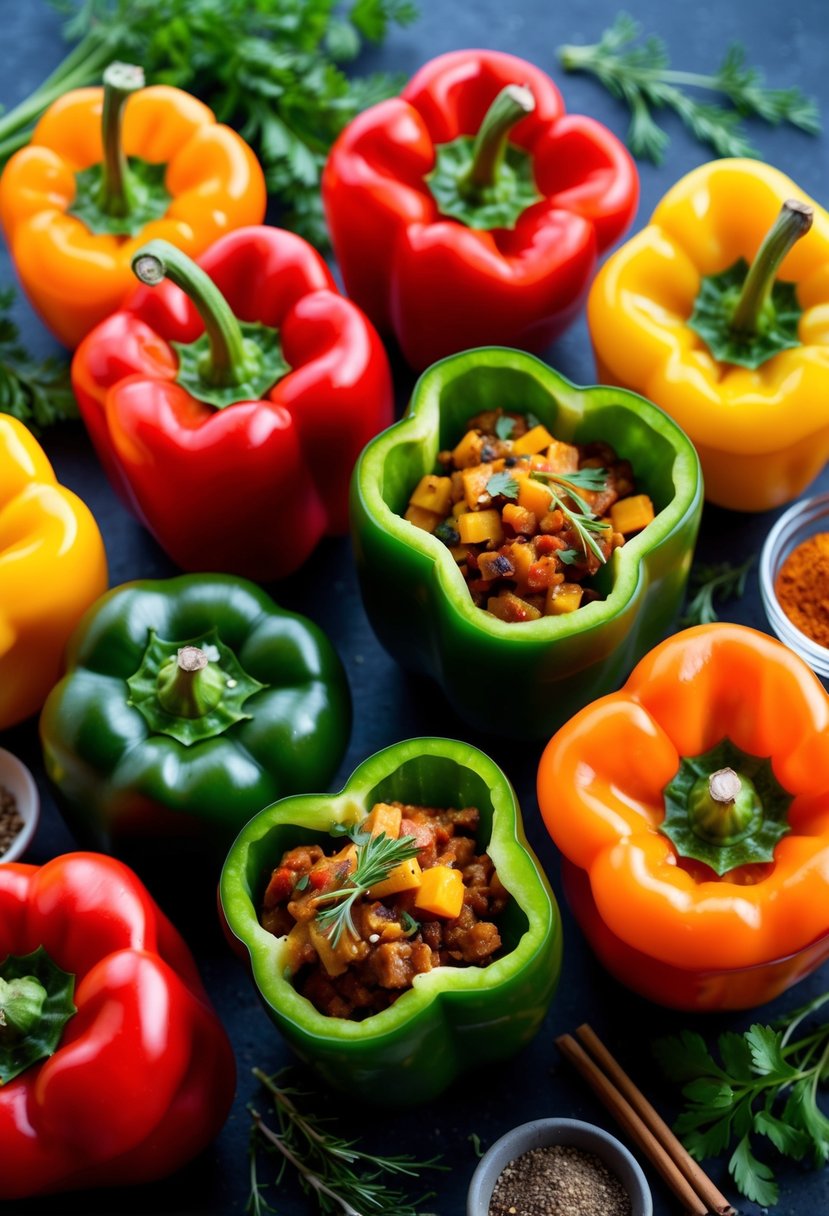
<point>504,427</point>
<point>37,393</point>
<point>502,485</point>
<point>377,856</point>
<point>272,69</point>
<point>641,77</point>
<point>722,582</point>
<point>765,1084</point>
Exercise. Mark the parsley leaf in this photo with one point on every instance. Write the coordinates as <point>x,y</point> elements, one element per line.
<point>504,427</point>
<point>38,394</point>
<point>502,485</point>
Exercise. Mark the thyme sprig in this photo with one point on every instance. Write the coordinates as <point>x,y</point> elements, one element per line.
<point>377,856</point>
<point>722,581</point>
<point>340,1176</point>
<point>641,77</point>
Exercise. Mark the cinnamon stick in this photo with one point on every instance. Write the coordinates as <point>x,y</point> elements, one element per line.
<point>631,1123</point>
<point>695,1174</point>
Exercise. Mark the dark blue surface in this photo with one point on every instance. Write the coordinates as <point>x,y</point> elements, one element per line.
<point>791,43</point>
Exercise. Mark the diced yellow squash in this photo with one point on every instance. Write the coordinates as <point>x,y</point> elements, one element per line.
<point>468,451</point>
<point>440,892</point>
<point>456,477</point>
<point>433,493</point>
<point>383,818</point>
<point>521,557</point>
<point>335,959</point>
<point>565,597</point>
<point>480,527</point>
<point>534,496</point>
<point>494,565</point>
<point>460,508</point>
<point>405,877</point>
<point>563,457</point>
<point>427,520</point>
<point>509,607</point>
<point>474,484</point>
<point>520,519</point>
<point>535,440</point>
<point>631,514</point>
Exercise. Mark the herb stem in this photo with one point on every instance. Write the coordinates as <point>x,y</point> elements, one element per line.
<point>313,1180</point>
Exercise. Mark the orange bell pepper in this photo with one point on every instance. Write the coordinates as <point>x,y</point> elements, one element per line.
<point>107,170</point>
<point>742,366</point>
<point>693,898</point>
<point>52,567</point>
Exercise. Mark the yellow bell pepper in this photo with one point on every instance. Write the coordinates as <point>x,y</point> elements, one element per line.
<point>52,567</point>
<point>108,170</point>
<point>762,431</point>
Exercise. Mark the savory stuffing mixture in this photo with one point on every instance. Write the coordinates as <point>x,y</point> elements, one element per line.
<point>527,517</point>
<point>361,924</point>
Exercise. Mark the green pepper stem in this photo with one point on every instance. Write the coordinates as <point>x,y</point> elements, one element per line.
<point>121,80</point>
<point>188,687</point>
<point>724,785</point>
<point>21,1005</point>
<point>722,807</point>
<point>230,359</point>
<point>512,104</point>
<point>793,222</point>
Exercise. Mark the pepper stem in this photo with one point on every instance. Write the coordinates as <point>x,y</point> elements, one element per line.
<point>231,358</point>
<point>793,222</point>
<point>120,81</point>
<point>724,785</point>
<point>513,103</point>
<point>723,807</point>
<point>21,1005</point>
<point>187,686</point>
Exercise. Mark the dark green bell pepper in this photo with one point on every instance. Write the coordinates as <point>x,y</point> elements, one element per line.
<point>189,704</point>
<point>521,680</point>
<point>454,1017</point>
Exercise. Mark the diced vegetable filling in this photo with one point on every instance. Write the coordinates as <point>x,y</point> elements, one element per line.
<point>527,517</point>
<point>435,908</point>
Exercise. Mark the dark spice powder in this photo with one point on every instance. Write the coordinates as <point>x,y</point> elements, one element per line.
<point>11,822</point>
<point>559,1180</point>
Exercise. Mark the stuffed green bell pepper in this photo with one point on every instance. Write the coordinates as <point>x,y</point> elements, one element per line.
<point>189,704</point>
<point>451,1017</point>
<point>521,677</point>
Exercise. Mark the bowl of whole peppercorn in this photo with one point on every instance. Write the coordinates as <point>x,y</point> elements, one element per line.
<point>558,1167</point>
<point>19,807</point>
<point>794,581</point>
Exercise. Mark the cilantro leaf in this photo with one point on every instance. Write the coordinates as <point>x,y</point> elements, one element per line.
<point>685,1056</point>
<point>504,427</point>
<point>502,485</point>
<point>765,1046</point>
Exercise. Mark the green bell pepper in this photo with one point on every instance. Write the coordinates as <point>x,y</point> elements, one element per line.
<point>189,704</point>
<point>453,1018</point>
<point>521,680</point>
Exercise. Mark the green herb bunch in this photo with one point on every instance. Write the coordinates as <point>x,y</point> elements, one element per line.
<point>377,856</point>
<point>765,1084</point>
<point>641,77</point>
<point>273,69</point>
<point>341,1177</point>
<point>36,393</point>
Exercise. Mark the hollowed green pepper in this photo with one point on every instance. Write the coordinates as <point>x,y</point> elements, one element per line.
<point>523,679</point>
<point>454,1017</point>
<point>189,704</point>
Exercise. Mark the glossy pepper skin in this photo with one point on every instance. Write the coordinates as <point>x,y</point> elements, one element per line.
<point>144,1074</point>
<point>453,1018</point>
<point>554,665</point>
<point>52,567</point>
<point>203,479</point>
<point>437,284</point>
<point>75,277</point>
<point>123,779</point>
<point>762,434</point>
<point>673,931</point>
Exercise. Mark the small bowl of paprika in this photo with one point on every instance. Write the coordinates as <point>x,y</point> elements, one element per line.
<point>794,581</point>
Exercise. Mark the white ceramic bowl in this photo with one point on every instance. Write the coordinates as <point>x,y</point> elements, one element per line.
<point>20,783</point>
<point>543,1132</point>
<point>800,522</point>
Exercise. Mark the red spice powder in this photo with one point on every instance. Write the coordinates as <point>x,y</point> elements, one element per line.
<point>802,588</point>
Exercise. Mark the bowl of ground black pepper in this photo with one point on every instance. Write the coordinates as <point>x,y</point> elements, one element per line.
<point>794,581</point>
<point>558,1167</point>
<point>19,807</point>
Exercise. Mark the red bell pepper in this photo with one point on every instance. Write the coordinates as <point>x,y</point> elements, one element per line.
<point>452,242</point>
<point>233,440</point>
<point>141,1077</point>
